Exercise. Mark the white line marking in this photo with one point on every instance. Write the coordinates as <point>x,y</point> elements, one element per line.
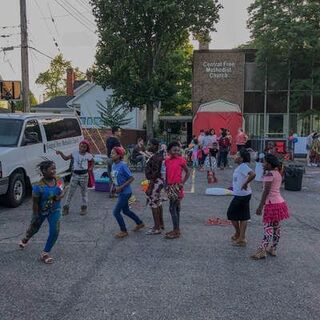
<point>193,179</point>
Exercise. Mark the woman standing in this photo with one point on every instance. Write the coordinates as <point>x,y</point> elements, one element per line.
<point>273,206</point>
<point>239,209</point>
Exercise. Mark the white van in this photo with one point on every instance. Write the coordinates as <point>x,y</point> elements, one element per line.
<point>27,139</point>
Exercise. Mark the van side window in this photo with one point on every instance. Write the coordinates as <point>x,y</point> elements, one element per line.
<point>61,128</point>
<point>32,133</point>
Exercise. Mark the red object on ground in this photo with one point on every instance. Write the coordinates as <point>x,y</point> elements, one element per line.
<point>218,114</point>
<point>217,222</point>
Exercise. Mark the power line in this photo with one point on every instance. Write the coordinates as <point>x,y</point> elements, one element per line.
<point>53,21</point>
<point>9,27</point>
<point>84,5</point>
<point>55,42</point>
<point>77,12</point>
<point>9,35</point>
<point>40,52</point>
<point>62,16</point>
<point>75,17</point>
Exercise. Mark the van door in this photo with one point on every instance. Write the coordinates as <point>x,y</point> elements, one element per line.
<point>32,149</point>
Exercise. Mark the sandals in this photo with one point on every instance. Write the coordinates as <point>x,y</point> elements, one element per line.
<point>152,232</point>
<point>23,243</point>
<point>234,238</point>
<point>239,243</point>
<point>271,251</point>
<point>121,234</point>
<point>138,227</point>
<point>44,257</point>
<point>260,254</point>
<point>173,234</point>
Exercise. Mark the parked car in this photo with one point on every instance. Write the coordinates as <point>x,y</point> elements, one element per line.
<point>27,139</point>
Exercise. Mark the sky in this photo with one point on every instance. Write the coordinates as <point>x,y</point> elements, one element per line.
<point>75,34</point>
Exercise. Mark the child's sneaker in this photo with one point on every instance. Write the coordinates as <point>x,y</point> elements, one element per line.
<point>23,243</point>
<point>65,210</point>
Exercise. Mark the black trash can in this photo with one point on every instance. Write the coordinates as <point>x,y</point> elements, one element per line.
<point>293,178</point>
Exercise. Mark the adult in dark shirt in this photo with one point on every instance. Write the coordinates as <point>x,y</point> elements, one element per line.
<point>153,174</point>
<point>113,140</point>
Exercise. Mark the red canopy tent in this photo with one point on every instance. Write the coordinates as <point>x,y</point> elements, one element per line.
<point>218,114</point>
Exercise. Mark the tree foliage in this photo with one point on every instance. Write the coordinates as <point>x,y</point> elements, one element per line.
<point>54,79</point>
<point>138,42</point>
<point>113,114</point>
<point>287,36</point>
<point>32,99</point>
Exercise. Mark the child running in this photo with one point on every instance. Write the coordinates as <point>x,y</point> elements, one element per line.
<point>175,165</point>
<point>46,196</point>
<point>273,207</point>
<point>122,179</point>
<point>239,209</point>
<point>154,175</point>
<point>80,176</point>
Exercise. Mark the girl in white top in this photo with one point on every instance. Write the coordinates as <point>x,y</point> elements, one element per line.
<point>239,209</point>
<point>80,175</point>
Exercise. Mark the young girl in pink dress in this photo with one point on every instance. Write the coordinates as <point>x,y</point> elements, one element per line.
<point>273,207</point>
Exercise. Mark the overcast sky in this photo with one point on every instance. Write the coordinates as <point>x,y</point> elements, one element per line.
<point>77,40</point>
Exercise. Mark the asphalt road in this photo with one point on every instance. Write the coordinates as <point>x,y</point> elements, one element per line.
<point>199,276</point>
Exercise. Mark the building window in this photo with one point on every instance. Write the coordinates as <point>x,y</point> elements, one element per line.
<point>253,102</point>
<point>276,126</point>
<point>254,125</point>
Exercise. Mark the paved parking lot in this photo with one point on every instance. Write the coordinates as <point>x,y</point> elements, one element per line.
<point>199,276</point>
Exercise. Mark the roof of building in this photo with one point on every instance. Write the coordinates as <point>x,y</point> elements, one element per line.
<point>78,83</point>
<point>23,116</point>
<point>59,102</point>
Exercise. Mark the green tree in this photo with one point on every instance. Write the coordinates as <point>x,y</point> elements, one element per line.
<point>113,114</point>
<point>54,79</point>
<point>32,99</point>
<point>137,40</point>
<point>179,75</point>
<point>287,36</point>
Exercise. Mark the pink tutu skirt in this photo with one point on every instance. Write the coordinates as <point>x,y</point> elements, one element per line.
<point>275,212</point>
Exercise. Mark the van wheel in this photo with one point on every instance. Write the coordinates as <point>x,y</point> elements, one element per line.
<point>16,191</point>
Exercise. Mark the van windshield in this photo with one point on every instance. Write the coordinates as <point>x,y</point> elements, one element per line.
<point>10,132</point>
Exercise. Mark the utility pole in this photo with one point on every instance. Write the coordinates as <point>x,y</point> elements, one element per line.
<point>24,56</point>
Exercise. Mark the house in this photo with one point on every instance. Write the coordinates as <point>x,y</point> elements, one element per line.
<point>82,99</point>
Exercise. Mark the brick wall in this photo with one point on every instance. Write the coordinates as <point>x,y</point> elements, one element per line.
<point>97,138</point>
<point>218,74</point>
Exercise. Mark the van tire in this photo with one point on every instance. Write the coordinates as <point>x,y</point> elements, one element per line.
<point>16,191</point>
